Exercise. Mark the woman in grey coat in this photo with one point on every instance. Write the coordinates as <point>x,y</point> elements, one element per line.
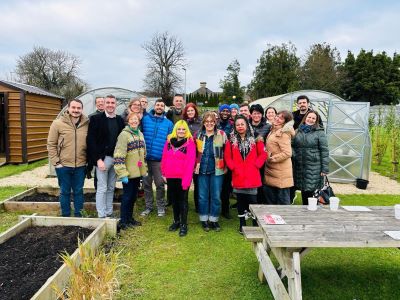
<point>310,156</point>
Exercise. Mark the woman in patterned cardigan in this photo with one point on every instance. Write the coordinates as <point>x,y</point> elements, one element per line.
<point>130,166</point>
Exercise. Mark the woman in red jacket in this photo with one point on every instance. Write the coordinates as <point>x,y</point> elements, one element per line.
<point>244,155</point>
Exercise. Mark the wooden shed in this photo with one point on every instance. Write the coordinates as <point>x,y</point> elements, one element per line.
<point>26,113</point>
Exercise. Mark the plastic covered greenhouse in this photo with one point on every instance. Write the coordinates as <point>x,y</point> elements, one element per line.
<point>123,97</point>
<point>346,126</point>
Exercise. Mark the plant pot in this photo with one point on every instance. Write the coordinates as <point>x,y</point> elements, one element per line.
<point>361,183</point>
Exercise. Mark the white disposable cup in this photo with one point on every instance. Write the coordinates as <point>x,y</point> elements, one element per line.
<point>312,203</point>
<point>334,203</point>
<point>397,211</point>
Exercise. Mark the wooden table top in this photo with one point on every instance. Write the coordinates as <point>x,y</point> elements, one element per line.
<point>326,228</point>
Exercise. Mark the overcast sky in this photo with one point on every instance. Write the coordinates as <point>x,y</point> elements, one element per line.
<point>107,35</point>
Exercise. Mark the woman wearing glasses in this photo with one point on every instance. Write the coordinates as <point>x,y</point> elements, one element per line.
<point>210,166</point>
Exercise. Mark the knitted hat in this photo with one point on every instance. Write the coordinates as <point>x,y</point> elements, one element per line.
<point>257,107</point>
<point>224,106</point>
<point>234,105</point>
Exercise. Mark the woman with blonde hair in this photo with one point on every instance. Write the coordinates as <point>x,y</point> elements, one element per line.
<point>134,106</point>
<point>177,165</point>
<point>210,166</point>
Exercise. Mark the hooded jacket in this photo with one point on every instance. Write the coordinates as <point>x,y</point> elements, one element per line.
<point>179,162</point>
<point>278,168</point>
<point>66,143</point>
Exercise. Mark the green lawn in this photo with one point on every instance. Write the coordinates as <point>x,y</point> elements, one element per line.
<point>8,191</point>
<point>9,170</point>
<point>213,265</point>
<point>221,265</point>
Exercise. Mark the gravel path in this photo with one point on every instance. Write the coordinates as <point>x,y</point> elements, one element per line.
<point>377,184</point>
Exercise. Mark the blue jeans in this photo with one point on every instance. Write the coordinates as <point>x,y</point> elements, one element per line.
<point>209,196</point>
<point>276,196</point>
<point>128,199</point>
<point>71,178</point>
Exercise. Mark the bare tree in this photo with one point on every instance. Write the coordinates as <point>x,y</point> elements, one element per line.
<point>166,58</point>
<point>55,71</point>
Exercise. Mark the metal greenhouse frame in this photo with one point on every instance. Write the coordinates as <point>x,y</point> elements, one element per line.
<point>346,127</point>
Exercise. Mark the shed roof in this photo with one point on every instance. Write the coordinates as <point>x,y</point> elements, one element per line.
<point>29,89</point>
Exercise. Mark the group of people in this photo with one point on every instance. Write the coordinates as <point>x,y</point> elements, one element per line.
<point>262,158</point>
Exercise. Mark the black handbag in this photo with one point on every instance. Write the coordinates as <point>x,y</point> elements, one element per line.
<point>324,193</point>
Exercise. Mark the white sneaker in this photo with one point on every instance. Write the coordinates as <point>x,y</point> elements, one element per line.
<point>146,212</point>
<point>161,213</point>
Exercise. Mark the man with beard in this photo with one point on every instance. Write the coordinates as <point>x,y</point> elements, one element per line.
<point>245,110</point>
<point>66,145</point>
<point>156,128</point>
<point>303,105</point>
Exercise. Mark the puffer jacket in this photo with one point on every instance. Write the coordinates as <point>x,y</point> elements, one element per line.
<point>129,154</point>
<point>310,158</point>
<point>179,162</point>
<point>66,143</point>
<point>155,131</point>
<point>278,168</point>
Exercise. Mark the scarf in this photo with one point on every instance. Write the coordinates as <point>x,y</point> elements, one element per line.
<point>246,144</point>
<point>174,142</point>
<point>305,128</point>
<point>134,131</point>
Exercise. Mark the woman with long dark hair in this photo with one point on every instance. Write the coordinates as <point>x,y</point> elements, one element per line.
<point>244,155</point>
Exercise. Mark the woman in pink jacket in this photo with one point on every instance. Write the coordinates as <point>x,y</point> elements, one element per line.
<point>177,165</point>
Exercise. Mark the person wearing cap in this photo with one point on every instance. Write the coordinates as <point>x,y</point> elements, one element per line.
<point>225,125</point>
<point>260,126</point>
<point>234,108</point>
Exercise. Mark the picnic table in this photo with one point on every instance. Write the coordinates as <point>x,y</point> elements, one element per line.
<point>304,229</point>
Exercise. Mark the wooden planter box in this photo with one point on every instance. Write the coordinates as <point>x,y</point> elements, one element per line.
<point>13,203</point>
<point>61,277</point>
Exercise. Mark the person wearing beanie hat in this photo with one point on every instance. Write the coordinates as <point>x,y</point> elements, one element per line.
<point>224,106</point>
<point>234,110</point>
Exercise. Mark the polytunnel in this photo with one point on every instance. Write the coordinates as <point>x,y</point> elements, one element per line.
<point>122,95</point>
<point>346,127</point>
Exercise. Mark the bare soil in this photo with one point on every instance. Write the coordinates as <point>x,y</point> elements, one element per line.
<point>44,197</point>
<point>28,259</point>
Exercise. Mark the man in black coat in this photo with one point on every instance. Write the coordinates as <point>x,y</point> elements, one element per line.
<point>103,132</point>
<point>303,105</point>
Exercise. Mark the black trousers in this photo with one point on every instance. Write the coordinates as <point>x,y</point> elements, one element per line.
<point>128,200</point>
<point>226,192</point>
<point>196,191</point>
<point>305,195</point>
<point>243,202</point>
<point>179,200</point>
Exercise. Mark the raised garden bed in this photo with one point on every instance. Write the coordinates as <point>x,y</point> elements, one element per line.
<point>29,253</point>
<point>45,199</point>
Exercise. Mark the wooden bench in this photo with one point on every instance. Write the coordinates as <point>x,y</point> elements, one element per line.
<point>253,234</point>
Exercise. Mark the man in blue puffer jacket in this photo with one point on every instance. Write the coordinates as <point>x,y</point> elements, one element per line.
<point>156,128</point>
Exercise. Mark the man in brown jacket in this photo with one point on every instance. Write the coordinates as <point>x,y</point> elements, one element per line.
<point>66,145</point>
